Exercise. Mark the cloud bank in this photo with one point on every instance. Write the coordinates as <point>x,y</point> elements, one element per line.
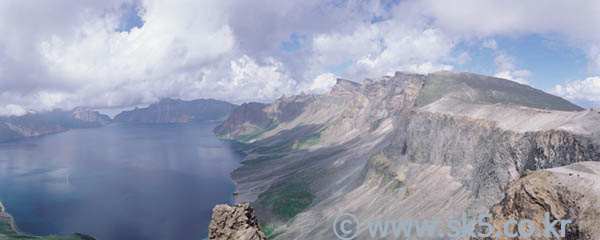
<point>122,53</point>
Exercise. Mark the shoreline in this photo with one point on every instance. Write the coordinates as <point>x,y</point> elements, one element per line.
<point>12,222</point>
<point>237,147</point>
<point>13,225</point>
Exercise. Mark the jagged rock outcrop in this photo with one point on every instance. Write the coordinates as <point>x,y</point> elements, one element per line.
<point>345,87</point>
<point>566,193</point>
<point>178,111</point>
<point>432,145</point>
<point>234,223</point>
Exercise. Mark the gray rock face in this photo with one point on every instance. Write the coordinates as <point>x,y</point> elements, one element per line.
<point>247,119</point>
<point>408,146</point>
<point>234,223</point>
<point>345,87</point>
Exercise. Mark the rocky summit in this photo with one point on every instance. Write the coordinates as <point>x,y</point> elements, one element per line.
<point>409,146</point>
<point>234,223</point>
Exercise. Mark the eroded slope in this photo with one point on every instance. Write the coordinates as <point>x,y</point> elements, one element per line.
<point>374,150</point>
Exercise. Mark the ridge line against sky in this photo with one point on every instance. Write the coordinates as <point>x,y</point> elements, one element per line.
<point>117,54</point>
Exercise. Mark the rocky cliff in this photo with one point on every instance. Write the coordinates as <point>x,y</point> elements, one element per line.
<point>178,111</point>
<point>433,146</point>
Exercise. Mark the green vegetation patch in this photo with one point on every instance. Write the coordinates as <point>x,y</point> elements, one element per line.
<point>309,141</point>
<point>75,236</point>
<point>6,229</point>
<point>287,199</point>
<point>280,147</point>
<point>270,231</point>
<point>260,130</point>
<point>434,89</point>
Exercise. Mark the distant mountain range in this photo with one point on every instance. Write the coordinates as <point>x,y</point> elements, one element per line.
<point>165,111</point>
<point>178,111</point>
<point>414,146</point>
<point>36,124</point>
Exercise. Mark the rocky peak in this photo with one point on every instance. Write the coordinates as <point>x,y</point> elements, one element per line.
<point>234,223</point>
<point>344,87</point>
<point>397,92</point>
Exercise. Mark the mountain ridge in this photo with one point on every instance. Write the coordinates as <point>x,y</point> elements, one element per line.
<point>178,111</point>
<point>376,144</point>
<point>164,111</point>
<point>56,121</point>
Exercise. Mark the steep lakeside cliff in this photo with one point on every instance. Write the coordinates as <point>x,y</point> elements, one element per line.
<point>178,111</point>
<point>433,145</point>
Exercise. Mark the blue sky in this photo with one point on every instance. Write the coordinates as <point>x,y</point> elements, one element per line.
<point>118,54</point>
<point>550,61</point>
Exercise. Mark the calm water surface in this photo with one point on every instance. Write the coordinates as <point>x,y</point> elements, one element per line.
<point>119,181</point>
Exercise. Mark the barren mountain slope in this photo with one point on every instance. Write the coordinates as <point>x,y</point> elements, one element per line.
<point>404,147</point>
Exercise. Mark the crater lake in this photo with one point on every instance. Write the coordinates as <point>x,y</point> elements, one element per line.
<point>121,181</point>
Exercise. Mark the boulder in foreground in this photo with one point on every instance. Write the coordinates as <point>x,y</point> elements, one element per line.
<point>234,223</point>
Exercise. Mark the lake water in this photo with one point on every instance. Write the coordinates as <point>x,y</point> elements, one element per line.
<point>119,181</point>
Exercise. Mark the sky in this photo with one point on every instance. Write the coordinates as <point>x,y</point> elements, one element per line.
<point>116,54</point>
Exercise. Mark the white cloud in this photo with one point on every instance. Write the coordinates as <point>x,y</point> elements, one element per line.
<point>486,18</point>
<point>504,62</point>
<point>574,21</point>
<point>491,44</point>
<point>383,48</point>
<point>260,82</point>
<point>12,109</point>
<point>517,76</point>
<point>593,54</point>
<point>321,83</point>
<point>507,67</point>
<point>93,64</point>
<point>175,36</point>
<point>69,53</point>
<point>185,49</point>
<point>587,90</point>
<point>463,58</point>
